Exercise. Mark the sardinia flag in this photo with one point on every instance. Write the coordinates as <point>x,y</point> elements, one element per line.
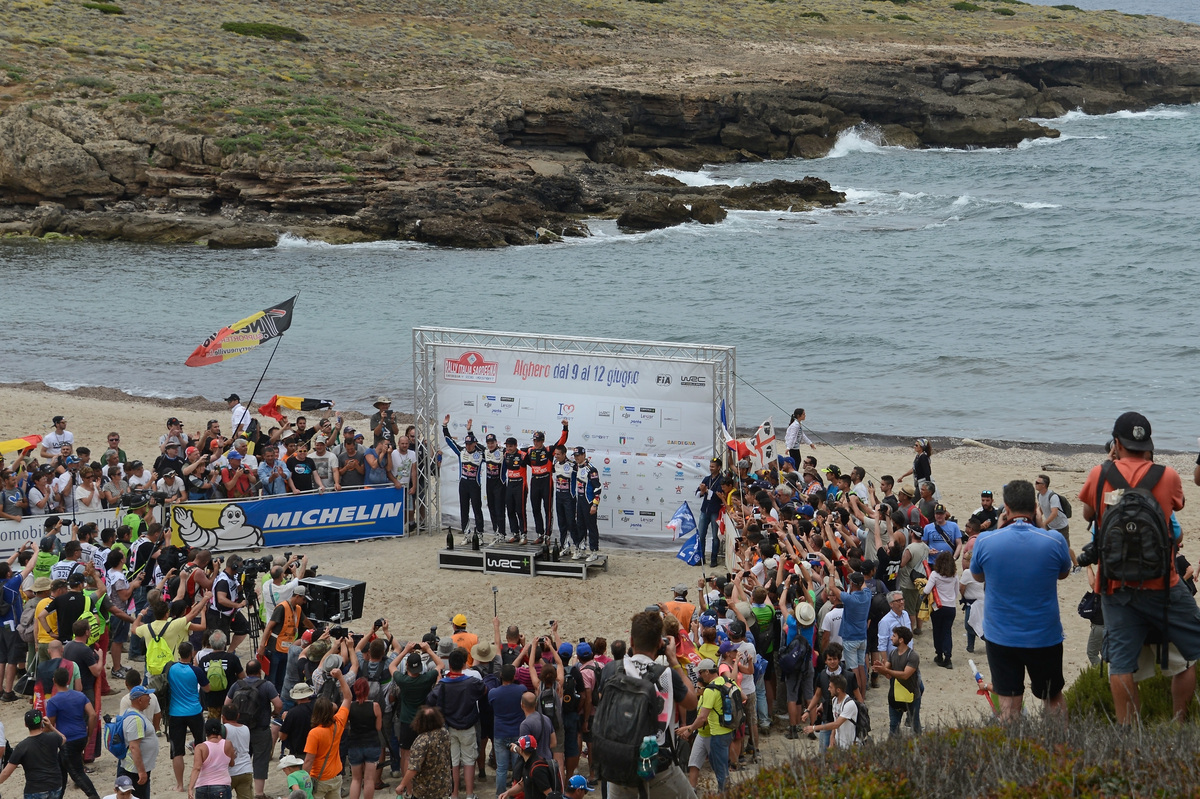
<point>271,408</point>
<point>243,335</point>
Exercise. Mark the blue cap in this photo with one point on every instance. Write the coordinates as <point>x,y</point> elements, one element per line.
<point>708,620</point>
<point>579,451</point>
<point>140,690</point>
<point>579,781</point>
<point>565,650</point>
<point>584,650</point>
<point>806,511</point>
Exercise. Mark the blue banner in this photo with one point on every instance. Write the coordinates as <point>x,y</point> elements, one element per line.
<point>289,520</point>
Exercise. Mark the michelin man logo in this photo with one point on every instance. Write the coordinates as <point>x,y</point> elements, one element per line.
<point>231,531</point>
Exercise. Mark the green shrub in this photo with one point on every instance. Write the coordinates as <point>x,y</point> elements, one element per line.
<point>904,17</point>
<point>1015,2</point>
<point>1067,7</point>
<point>1090,695</point>
<point>598,23</point>
<point>265,30</point>
<point>89,82</point>
<point>149,103</point>
<point>813,15</point>
<point>963,5</point>
<point>871,11</point>
<point>1136,16</point>
<point>1004,12</point>
<point>104,8</point>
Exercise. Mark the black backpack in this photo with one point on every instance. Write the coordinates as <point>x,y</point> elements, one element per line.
<point>793,657</point>
<point>862,727</point>
<point>1066,506</point>
<point>572,699</point>
<point>246,701</point>
<point>1134,542</point>
<point>628,713</point>
<point>594,668</point>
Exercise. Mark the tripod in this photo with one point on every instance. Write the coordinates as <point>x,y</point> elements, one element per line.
<point>252,617</point>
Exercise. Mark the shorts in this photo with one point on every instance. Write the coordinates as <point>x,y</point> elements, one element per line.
<point>1066,533</point>
<point>1010,663</point>
<point>855,653</point>
<point>912,601</point>
<point>750,711</point>
<point>177,730</point>
<point>1130,614</point>
<point>10,646</point>
<point>464,750</point>
<point>242,785</point>
<point>261,746</point>
<point>358,755</point>
<point>1148,662</point>
<point>406,735</point>
<point>571,734</point>
<point>118,631</point>
<point>234,624</point>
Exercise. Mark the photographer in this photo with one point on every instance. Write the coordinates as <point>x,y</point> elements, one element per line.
<point>225,606</point>
<point>384,418</point>
<point>237,480</point>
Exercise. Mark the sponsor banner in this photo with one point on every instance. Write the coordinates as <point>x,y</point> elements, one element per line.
<point>32,528</point>
<point>289,520</point>
<point>647,424</point>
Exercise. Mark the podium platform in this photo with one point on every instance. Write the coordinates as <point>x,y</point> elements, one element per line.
<point>523,560</point>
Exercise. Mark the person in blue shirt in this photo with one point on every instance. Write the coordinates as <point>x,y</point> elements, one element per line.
<point>942,535</point>
<point>711,500</point>
<point>187,680</point>
<point>856,604</point>
<point>1020,565</point>
<point>273,475</point>
<point>507,717</point>
<point>73,716</point>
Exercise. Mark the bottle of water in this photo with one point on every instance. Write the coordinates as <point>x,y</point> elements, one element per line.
<point>646,757</point>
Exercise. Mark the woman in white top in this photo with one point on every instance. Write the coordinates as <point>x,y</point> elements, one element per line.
<point>87,493</point>
<point>944,580</point>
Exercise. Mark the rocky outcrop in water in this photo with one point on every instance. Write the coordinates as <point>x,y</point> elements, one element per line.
<point>549,161</point>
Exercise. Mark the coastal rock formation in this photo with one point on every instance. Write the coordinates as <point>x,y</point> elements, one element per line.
<point>538,162</point>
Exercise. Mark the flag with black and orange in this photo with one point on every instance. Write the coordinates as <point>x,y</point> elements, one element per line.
<point>272,406</point>
<point>244,335</point>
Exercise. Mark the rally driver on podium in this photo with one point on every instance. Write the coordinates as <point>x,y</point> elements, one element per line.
<point>493,458</point>
<point>541,491</point>
<point>470,477</point>
<point>586,489</point>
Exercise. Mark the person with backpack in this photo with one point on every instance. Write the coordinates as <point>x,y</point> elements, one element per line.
<point>185,711</point>
<point>12,647</point>
<point>133,742</point>
<point>1056,511</point>
<point>1020,565</point>
<point>256,700</point>
<point>287,624</point>
<point>120,591</point>
<point>638,714</point>
<point>539,778</point>
<point>823,693</point>
<point>1133,491</point>
<point>162,636</point>
<point>716,718</point>
<point>223,669</point>
<point>845,709</point>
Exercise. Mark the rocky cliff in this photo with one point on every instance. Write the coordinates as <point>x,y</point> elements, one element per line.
<point>529,167</point>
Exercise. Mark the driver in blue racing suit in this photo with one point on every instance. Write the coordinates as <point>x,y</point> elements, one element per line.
<point>470,477</point>
<point>586,490</point>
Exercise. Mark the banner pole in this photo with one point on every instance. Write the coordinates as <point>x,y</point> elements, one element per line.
<point>250,404</point>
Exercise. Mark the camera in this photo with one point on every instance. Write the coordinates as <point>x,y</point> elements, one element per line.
<point>338,632</point>
<point>430,637</point>
<point>1087,556</point>
<point>159,496</point>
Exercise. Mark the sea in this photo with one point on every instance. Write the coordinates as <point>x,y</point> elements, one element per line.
<point>1028,294</point>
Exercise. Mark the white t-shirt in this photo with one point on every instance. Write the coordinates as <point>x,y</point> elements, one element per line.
<point>833,624</point>
<point>325,466</point>
<point>137,482</point>
<point>636,666</point>
<point>54,440</point>
<point>62,484</point>
<point>117,582</point>
<point>861,491</point>
<point>151,711</point>
<point>746,654</point>
<point>273,594</point>
<point>239,415</point>
<point>81,495</point>
<point>173,488</point>
<point>847,709</point>
<point>403,465</point>
<point>974,588</point>
<point>36,496</point>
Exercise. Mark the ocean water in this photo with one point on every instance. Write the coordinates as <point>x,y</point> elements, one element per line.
<point>1031,293</point>
<point>1185,10</point>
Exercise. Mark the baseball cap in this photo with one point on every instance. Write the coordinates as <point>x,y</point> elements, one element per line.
<point>171,445</point>
<point>1133,431</point>
<point>140,691</point>
<point>470,438</point>
<point>75,579</point>
<point>233,398</point>
<point>58,419</point>
<point>33,719</point>
<point>706,665</point>
<point>527,742</point>
<point>459,621</point>
<point>565,650</point>
<point>939,508</point>
<point>807,511</point>
<point>71,459</point>
<point>190,450</point>
<point>538,435</point>
<point>680,590</point>
<point>124,784</point>
<point>579,783</point>
<point>708,620</point>
<point>307,636</point>
<point>916,530</point>
<point>857,578</point>
<point>490,437</point>
<point>726,646</point>
<point>172,421</point>
<point>584,650</point>
<point>349,431</point>
<point>737,628</point>
<point>300,590</point>
<point>413,662</point>
<point>511,440</point>
<point>234,455</point>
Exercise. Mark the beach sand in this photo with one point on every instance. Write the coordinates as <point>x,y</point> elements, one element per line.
<point>404,585</point>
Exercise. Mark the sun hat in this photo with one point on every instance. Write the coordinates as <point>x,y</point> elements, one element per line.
<point>301,690</point>
<point>806,614</point>
<point>287,761</point>
<point>482,652</point>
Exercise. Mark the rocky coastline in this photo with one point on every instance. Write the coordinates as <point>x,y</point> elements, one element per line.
<point>530,167</point>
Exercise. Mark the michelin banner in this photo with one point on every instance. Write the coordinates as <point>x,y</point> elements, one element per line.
<point>289,520</point>
<point>646,422</point>
<point>33,528</point>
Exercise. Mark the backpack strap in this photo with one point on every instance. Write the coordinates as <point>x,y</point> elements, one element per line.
<point>1151,477</point>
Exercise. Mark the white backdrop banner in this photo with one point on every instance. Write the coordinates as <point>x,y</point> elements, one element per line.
<point>647,424</point>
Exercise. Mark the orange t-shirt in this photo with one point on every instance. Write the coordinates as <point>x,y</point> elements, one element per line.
<point>323,744</point>
<point>682,611</point>
<point>466,640</point>
<point>1168,492</point>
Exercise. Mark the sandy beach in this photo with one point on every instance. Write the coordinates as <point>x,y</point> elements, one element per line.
<point>404,586</point>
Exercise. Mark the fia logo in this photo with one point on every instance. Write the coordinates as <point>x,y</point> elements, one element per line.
<point>664,380</point>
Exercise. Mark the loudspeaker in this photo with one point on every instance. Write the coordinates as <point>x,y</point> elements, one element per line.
<point>335,600</point>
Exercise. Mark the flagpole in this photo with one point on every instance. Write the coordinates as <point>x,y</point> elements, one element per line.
<point>250,404</point>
